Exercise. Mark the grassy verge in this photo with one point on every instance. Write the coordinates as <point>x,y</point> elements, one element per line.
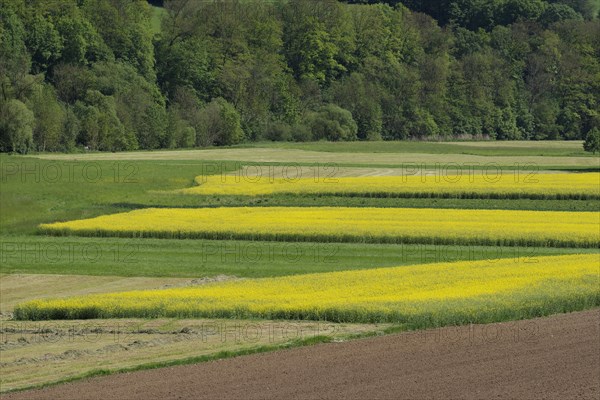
<point>167,200</point>
<point>487,148</point>
<point>532,242</point>
<point>277,156</point>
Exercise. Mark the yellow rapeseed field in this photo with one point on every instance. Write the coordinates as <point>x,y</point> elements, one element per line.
<point>470,184</point>
<point>393,225</point>
<point>421,295</point>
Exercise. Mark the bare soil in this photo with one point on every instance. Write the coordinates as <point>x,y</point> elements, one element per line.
<point>552,358</point>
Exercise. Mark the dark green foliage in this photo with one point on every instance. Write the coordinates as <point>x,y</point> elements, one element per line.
<point>219,124</point>
<point>592,141</point>
<point>279,131</point>
<point>331,122</point>
<point>301,133</point>
<point>117,75</point>
<point>360,98</point>
<point>183,64</point>
<point>43,43</point>
<point>557,12</point>
<point>488,13</point>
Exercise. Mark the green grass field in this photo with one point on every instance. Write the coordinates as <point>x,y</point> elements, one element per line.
<point>541,148</point>
<point>202,258</point>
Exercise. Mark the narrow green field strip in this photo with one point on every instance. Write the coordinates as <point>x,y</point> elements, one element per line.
<point>170,200</point>
<point>421,295</point>
<point>175,258</point>
<point>343,224</point>
<point>484,148</point>
<point>265,155</point>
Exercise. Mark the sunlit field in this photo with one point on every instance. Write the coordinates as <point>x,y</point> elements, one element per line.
<point>341,224</point>
<point>422,295</point>
<point>367,248</point>
<point>471,184</point>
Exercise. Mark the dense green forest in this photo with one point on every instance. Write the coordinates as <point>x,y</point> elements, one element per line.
<point>115,75</point>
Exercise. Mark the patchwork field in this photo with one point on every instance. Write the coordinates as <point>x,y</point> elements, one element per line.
<point>337,241</point>
<point>355,157</point>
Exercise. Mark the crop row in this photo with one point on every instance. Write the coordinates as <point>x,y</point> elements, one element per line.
<point>343,224</point>
<point>421,295</point>
<point>473,185</point>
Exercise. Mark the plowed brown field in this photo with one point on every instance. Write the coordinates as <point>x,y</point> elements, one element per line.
<point>556,357</point>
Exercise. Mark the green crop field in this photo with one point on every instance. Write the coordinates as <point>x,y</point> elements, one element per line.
<point>541,148</point>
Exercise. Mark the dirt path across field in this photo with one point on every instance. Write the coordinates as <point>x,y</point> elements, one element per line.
<point>555,357</point>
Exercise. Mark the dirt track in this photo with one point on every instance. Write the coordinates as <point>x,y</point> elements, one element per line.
<point>556,357</point>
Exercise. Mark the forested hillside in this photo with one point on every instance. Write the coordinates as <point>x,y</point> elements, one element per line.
<point>115,75</point>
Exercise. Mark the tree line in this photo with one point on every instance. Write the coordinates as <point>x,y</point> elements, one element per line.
<point>113,75</point>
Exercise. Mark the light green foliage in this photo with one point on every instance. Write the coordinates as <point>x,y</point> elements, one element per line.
<point>49,116</point>
<point>16,127</point>
<point>71,127</point>
<point>100,125</point>
<point>592,141</point>
<point>125,27</point>
<point>313,41</point>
